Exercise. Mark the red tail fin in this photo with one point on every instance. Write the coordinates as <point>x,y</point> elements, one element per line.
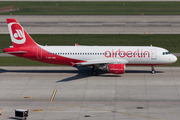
<point>19,36</point>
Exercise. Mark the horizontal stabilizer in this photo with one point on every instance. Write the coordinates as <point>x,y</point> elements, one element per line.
<point>17,52</point>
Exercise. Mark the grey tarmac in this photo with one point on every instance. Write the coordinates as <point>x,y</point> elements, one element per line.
<point>135,95</point>
<point>95,24</point>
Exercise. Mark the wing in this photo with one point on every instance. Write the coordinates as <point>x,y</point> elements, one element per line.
<point>101,61</point>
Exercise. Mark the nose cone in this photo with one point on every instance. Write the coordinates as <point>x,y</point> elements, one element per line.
<point>173,58</point>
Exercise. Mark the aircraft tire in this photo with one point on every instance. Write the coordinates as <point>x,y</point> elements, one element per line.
<point>94,73</point>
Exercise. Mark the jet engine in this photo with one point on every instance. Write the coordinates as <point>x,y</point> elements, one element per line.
<point>116,68</point>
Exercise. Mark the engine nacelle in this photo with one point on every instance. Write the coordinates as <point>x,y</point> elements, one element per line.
<point>116,68</point>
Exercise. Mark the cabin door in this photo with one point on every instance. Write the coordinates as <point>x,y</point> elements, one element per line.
<point>39,53</point>
<point>153,54</point>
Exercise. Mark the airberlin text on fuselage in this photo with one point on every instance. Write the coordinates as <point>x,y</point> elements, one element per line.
<point>129,54</point>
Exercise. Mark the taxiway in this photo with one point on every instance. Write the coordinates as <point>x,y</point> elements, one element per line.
<point>135,95</point>
<point>95,24</point>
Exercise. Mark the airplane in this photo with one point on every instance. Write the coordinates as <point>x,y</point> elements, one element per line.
<point>111,58</point>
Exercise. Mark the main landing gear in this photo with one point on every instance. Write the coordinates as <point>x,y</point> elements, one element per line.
<point>95,70</point>
<point>153,70</point>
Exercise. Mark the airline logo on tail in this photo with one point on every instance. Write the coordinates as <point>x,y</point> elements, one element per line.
<point>17,33</point>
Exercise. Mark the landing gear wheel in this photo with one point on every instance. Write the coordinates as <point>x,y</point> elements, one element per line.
<point>94,73</point>
<point>95,70</point>
<point>153,71</point>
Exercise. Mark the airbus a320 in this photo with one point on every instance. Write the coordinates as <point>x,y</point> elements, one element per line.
<point>111,58</point>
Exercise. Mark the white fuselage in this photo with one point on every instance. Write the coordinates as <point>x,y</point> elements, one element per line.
<point>133,54</point>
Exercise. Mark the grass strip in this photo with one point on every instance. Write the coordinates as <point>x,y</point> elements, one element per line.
<point>17,61</point>
<point>92,8</point>
<point>170,42</point>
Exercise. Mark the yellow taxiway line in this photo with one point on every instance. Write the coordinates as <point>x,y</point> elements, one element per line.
<point>53,95</point>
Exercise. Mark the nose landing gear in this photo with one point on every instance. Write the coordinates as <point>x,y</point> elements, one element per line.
<point>153,70</point>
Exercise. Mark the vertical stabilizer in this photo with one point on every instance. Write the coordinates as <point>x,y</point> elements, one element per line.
<point>19,37</point>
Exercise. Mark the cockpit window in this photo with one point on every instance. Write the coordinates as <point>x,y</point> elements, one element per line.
<point>166,53</point>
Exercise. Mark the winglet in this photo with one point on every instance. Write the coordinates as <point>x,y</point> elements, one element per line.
<point>76,44</point>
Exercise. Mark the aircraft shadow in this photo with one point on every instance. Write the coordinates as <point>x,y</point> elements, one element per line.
<point>39,71</point>
<point>142,71</point>
<point>14,118</point>
<point>82,72</point>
